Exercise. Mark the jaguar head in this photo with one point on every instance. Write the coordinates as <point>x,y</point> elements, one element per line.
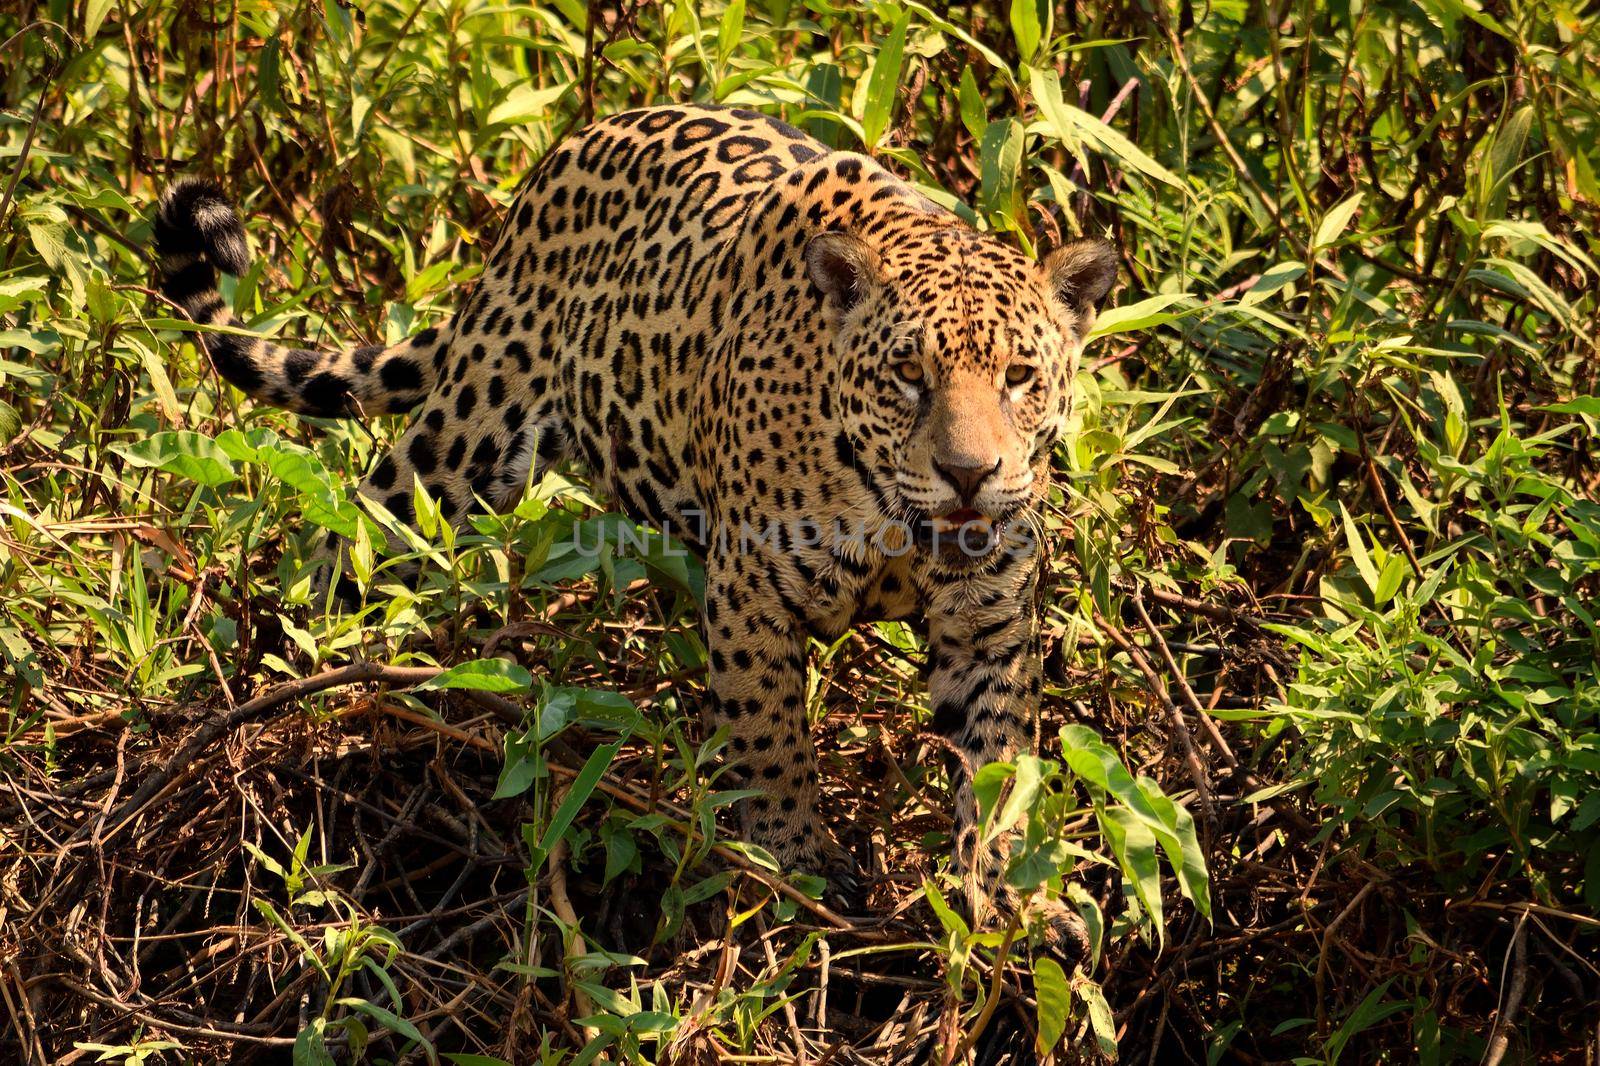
<point>956,358</point>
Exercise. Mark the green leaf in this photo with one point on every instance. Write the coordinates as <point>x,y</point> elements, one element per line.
<point>1182,846</point>
<point>1071,123</point>
<point>621,853</point>
<point>578,794</point>
<point>523,765</point>
<point>1030,774</point>
<point>1143,314</point>
<point>731,31</point>
<point>1088,909</point>
<point>160,382</point>
<point>1368,1013</point>
<point>392,1022</point>
<point>1358,550</point>
<point>1050,988</point>
<point>10,423</point>
<point>321,503</point>
<point>974,114</point>
<point>1000,161</point>
<point>482,675</point>
<point>526,103</point>
<point>307,952</point>
<point>1505,155</point>
<point>1578,405</point>
<point>1101,1021</point>
<point>1028,27</point>
<point>49,240</point>
<point>1336,221</point>
<point>883,84</point>
<point>310,1049</point>
<point>184,453</point>
<point>269,73</point>
<point>1134,846</point>
<point>94,13</point>
<point>953,923</point>
<point>1394,572</point>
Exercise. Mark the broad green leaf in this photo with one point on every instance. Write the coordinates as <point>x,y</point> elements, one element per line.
<point>523,765</point>
<point>953,923</point>
<point>1088,909</point>
<point>1578,405</point>
<point>1102,1023</point>
<point>310,1049</point>
<point>1394,571</point>
<point>1050,988</point>
<point>883,84</point>
<point>1505,156</point>
<point>1134,846</point>
<point>49,240</point>
<point>269,74</point>
<point>483,675</point>
<point>184,453</point>
<point>1029,25</point>
<point>1069,123</point>
<point>1336,221</point>
<point>1142,314</point>
<point>1182,846</point>
<point>1000,161</point>
<point>1273,280</point>
<point>974,114</point>
<point>10,423</point>
<point>94,13</point>
<point>1358,550</point>
<point>731,30</point>
<point>1030,774</point>
<point>577,795</point>
<point>527,103</point>
<point>392,1022</point>
<point>160,382</point>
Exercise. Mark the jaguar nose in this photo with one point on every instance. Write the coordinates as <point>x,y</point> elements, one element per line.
<point>966,479</point>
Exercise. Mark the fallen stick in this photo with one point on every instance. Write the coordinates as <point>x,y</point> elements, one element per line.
<point>1501,1040</point>
<point>356,673</point>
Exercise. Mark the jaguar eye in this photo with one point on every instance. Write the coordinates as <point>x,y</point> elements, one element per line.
<point>909,372</point>
<point>1019,374</point>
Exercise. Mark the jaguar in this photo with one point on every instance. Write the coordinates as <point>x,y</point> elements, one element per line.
<point>838,393</point>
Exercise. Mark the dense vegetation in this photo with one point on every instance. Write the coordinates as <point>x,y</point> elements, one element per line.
<point>1326,573</point>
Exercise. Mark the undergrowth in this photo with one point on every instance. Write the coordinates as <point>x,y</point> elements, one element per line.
<point>1321,755</point>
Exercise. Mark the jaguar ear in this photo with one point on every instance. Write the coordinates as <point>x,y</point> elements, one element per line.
<point>1080,273</point>
<point>842,266</point>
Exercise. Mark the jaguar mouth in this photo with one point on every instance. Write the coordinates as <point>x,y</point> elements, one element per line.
<point>962,516</point>
<point>965,531</point>
<point>963,534</point>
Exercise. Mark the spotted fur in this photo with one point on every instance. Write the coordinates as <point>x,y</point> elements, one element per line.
<point>784,354</point>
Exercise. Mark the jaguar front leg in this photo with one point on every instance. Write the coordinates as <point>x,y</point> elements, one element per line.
<point>757,685</point>
<point>984,687</point>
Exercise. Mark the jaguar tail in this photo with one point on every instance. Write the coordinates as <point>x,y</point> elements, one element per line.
<point>197,233</point>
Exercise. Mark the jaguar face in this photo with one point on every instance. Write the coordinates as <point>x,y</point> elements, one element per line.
<point>956,361</point>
